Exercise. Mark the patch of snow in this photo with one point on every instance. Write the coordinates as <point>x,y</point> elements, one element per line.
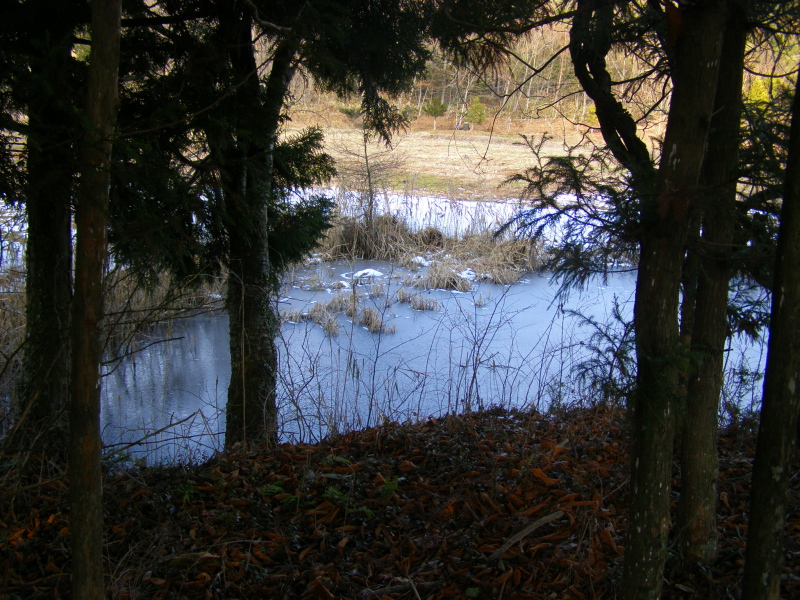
<point>422,262</point>
<point>366,273</point>
<point>468,274</point>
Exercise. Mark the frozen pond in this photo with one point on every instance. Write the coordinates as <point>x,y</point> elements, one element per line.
<point>430,352</point>
<point>493,345</point>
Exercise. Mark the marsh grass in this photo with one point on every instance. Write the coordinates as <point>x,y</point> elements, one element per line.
<point>502,260</point>
<point>442,276</point>
<point>330,325</point>
<point>291,315</point>
<point>386,238</point>
<point>372,319</point>
<point>419,302</point>
<point>376,290</point>
<point>402,295</point>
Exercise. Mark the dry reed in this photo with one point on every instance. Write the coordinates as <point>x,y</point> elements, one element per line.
<point>370,318</point>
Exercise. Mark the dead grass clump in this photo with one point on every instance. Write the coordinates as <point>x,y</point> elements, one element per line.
<point>370,318</point>
<point>345,302</point>
<point>404,296</point>
<point>318,313</point>
<point>330,325</point>
<point>418,302</point>
<point>499,261</point>
<point>376,290</point>
<point>412,261</point>
<point>430,237</point>
<point>314,283</point>
<point>291,315</point>
<point>353,300</point>
<point>442,276</point>
<point>385,238</point>
<point>480,300</point>
<point>339,302</point>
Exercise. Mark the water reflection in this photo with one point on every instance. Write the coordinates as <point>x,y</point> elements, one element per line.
<point>170,393</point>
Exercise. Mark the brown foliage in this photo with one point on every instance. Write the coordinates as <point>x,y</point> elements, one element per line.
<point>379,514</point>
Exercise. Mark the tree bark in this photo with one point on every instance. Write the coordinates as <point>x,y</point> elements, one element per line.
<point>51,170</point>
<point>697,525</point>
<point>85,483</point>
<point>665,224</point>
<point>780,405</point>
<point>246,167</point>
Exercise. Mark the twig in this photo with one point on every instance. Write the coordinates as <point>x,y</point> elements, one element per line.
<point>125,446</point>
<point>402,587</point>
<point>26,488</point>
<point>525,532</point>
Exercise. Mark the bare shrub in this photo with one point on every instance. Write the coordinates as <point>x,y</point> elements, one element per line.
<point>134,310</point>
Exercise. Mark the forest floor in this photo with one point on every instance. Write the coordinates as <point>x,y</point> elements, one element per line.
<point>498,504</point>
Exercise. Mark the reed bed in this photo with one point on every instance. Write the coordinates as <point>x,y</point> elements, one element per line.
<point>498,260</point>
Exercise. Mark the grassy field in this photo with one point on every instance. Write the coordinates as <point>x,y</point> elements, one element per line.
<point>444,162</point>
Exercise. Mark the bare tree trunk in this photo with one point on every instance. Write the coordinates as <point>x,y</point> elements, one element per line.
<point>697,525</point>
<point>665,223</point>
<point>48,283</point>
<point>85,483</point>
<point>781,404</point>
<point>246,167</point>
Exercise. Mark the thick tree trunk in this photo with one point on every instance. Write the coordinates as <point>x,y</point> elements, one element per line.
<point>48,284</point>
<point>85,479</point>
<point>781,403</point>
<point>246,165</point>
<point>665,224</point>
<point>251,409</point>
<point>697,525</point>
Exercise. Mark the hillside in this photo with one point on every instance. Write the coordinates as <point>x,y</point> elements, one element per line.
<point>488,505</point>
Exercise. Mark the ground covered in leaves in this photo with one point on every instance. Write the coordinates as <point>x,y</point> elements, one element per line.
<point>489,505</point>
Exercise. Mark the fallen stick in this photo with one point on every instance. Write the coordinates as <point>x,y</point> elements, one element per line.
<point>403,587</point>
<point>524,533</point>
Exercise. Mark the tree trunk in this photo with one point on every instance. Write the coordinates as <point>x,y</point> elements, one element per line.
<point>697,525</point>
<point>85,479</point>
<point>665,224</point>
<point>780,405</point>
<point>246,173</point>
<point>51,170</point>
